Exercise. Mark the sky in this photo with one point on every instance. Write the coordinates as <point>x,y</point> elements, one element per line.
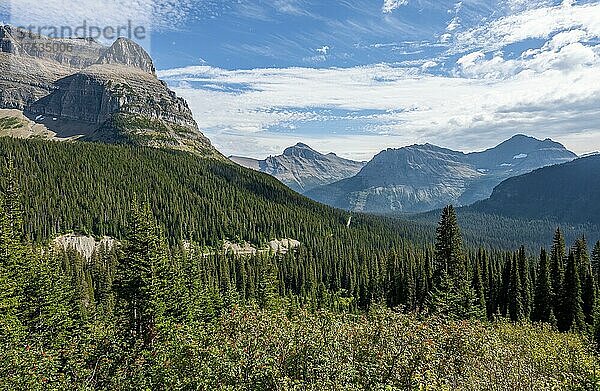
<point>358,76</point>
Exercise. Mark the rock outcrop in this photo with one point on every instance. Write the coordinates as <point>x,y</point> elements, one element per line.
<point>111,92</point>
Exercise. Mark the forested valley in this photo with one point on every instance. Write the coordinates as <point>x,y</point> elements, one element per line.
<point>361,304</point>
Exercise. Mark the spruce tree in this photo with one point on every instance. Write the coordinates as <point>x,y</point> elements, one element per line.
<point>596,262</point>
<point>449,256</point>
<point>453,294</point>
<point>573,317</point>
<point>542,307</point>
<point>478,285</point>
<point>589,297</point>
<point>137,283</point>
<point>526,286</point>
<point>515,291</point>
<point>557,259</point>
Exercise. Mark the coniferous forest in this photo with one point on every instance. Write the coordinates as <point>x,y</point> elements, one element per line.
<point>365,303</point>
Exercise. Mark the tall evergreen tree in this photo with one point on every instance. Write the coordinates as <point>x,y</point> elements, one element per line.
<point>557,260</point>
<point>478,285</point>
<point>453,294</point>
<point>515,292</point>
<point>449,255</point>
<point>526,285</point>
<point>542,308</point>
<point>137,284</point>
<point>573,317</point>
<point>596,262</point>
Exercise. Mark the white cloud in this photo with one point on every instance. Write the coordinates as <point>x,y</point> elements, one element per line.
<point>324,50</point>
<point>390,5</point>
<point>155,15</point>
<point>563,52</point>
<point>406,106</point>
<point>540,23</point>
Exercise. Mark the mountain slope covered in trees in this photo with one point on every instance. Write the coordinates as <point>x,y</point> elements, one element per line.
<point>567,192</point>
<point>153,316</point>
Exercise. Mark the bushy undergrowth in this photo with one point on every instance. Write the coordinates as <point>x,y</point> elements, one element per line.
<point>253,349</point>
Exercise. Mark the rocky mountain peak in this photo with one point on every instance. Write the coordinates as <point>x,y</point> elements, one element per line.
<point>420,178</point>
<point>95,93</point>
<point>301,150</point>
<point>126,52</point>
<point>302,168</point>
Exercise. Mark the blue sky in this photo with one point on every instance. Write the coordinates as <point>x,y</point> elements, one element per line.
<point>358,76</point>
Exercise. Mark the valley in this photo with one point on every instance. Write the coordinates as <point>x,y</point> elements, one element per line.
<point>134,255</point>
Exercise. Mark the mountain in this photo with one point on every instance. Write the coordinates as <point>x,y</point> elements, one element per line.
<point>420,178</point>
<point>302,168</point>
<point>568,192</point>
<point>82,89</point>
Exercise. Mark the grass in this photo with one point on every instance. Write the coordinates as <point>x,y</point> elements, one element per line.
<point>10,123</point>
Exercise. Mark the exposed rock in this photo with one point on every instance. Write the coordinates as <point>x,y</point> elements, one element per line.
<point>421,178</point>
<point>302,168</point>
<point>283,246</point>
<point>84,245</point>
<point>275,246</point>
<point>128,53</point>
<point>112,93</point>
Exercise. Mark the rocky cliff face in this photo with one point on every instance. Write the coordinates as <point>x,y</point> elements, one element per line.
<point>420,178</point>
<point>302,168</point>
<point>112,92</point>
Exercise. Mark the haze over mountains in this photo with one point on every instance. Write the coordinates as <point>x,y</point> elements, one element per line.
<point>420,178</point>
<point>91,92</point>
<point>302,168</point>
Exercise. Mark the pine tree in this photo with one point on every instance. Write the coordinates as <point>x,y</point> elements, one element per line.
<point>449,256</point>
<point>526,288</point>
<point>515,291</point>
<point>596,262</point>
<point>453,294</point>
<point>478,285</point>
<point>589,297</point>
<point>557,259</point>
<point>582,257</point>
<point>13,260</point>
<point>543,291</point>
<point>573,317</point>
<point>137,284</point>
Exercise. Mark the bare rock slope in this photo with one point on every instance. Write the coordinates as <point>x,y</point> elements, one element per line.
<point>302,168</point>
<point>421,178</point>
<point>111,93</point>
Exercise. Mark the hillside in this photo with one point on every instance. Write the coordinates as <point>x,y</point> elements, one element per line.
<point>194,317</point>
<point>421,178</point>
<point>302,168</point>
<point>567,192</point>
<point>88,187</point>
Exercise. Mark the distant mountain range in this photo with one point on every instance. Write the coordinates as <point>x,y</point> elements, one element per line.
<point>87,91</point>
<point>302,168</point>
<point>421,178</point>
<point>567,192</point>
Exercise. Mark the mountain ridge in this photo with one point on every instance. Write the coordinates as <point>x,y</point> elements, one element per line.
<point>419,178</point>
<point>302,168</point>
<point>566,192</point>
